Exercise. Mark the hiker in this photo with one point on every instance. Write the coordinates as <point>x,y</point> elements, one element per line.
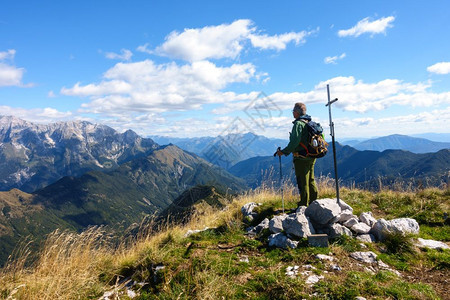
<point>304,166</point>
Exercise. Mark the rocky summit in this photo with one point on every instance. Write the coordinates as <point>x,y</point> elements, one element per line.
<point>330,217</point>
<point>35,155</point>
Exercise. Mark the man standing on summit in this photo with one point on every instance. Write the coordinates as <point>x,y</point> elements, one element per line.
<point>304,166</point>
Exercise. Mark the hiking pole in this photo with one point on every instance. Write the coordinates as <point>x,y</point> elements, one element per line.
<point>333,142</point>
<point>281,179</point>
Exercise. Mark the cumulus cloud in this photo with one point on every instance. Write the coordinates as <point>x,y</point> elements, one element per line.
<point>148,87</point>
<point>39,115</point>
<point>354,95</point>
<point>440,68</point>
<point>333,59</point>
<point>222,41</point>
<point>124,55</point>
<point>367,26</point>
<point>10,75</point>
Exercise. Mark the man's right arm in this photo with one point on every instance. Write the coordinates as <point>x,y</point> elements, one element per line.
<point>294,139</point>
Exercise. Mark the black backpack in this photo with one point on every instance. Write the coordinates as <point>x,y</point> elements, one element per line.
<point>316,146</point>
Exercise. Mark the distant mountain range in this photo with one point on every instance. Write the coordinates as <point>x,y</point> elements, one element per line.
<point>401,142</point>
<point>226,151</point>
<point>141,187</point>
<point>34,155</point>
<point>354,167</point>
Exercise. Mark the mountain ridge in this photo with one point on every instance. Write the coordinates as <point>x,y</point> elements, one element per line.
<point>355,167</point>
<point>35,155</point>
<point>402,142</point>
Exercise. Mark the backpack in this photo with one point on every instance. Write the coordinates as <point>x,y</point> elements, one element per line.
<point>316,146</point>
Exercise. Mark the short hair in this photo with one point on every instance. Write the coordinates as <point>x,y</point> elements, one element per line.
<point>300,107</point>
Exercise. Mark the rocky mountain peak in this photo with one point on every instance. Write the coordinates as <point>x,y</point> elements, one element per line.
<point>34,155</point>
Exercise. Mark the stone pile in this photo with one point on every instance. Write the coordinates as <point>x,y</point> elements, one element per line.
<point>326,216</point>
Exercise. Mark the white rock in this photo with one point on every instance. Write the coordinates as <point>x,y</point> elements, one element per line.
<point>281,241</point>
<point>344,216</point>
<point>365,257</point>
<point>191,232</point>
<point>361,228</point>
<point>300,210</point>
<point>322,211</point>
<point>368,238</point>
<point>261,226</point>
<point>367,218</point>
<point>344,206</point>
<point>351,222</point>
<point>336,230</point>
<point>248,210</point>
<point>382,265</point>
<point>336,268</point>
<point>298,225</point>
<point>324,257</point>
<point>244,259</point>
<point>276,223</point>
<point>401,225</point>
<point>432,244</point>
<point>292,271</point>
<point>313,279</point>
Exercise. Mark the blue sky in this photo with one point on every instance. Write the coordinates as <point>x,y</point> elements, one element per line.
<point>204,68</point>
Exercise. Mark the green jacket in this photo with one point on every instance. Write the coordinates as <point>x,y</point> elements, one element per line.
<point>298,134</point>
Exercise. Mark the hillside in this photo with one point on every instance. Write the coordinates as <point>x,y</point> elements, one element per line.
<point>225,151</point>
<point>355,167</point>
<point>212,257</point>
<point>402,142</point>
<point>144,186</point>
<point>33,156</point>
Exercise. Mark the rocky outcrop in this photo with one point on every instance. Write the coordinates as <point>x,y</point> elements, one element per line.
<point>327,216</point>
<point>402,225</point>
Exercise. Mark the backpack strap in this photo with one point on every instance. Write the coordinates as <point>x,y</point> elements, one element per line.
<point>301,143</point>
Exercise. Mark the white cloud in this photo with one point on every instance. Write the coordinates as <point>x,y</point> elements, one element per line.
<point>362,97</point>
<point>367,26</point>
<point>9,54</point>
<point>333,59</point>
<point>144,48</point>
<point>10,75</point>
<point>125,55</point>
<point>427,121</point>
<point>39,115</point>
<point>222,41</point>
<point>279,42</point>
<point>440,68</point>
<point>354,95</point>
<point>148,87</point>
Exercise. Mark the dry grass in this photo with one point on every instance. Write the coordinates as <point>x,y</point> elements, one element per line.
<point>69,264</point>
<point>67,267</point>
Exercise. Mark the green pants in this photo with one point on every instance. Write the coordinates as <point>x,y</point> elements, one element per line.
<point>304,171</point>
